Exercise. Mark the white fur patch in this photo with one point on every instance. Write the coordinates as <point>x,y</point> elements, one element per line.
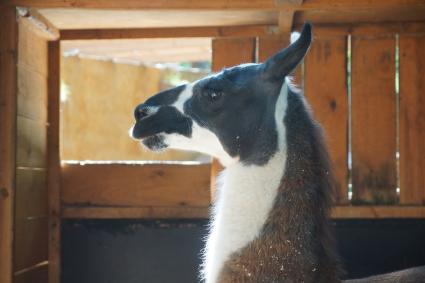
<point>202,139</point>
<point>245,197</point>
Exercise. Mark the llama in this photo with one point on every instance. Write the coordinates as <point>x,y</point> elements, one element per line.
<point>270,220</point>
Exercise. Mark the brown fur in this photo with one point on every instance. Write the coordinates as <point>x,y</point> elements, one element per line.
<point>295,244</point>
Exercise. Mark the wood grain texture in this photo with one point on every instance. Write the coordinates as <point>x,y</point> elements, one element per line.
<point>30,242</point>
<point>377,212</point>
<point>216,31</point>
<point>8,53</point>
<point>412,119</point>
<point>228,52</point>
<point>53,160</point>
<point>326,91</point>
<point>35,274</point>
<point>31,142</point>
<point>31,194</point>
<point>121,185</point>
<point>145,4</point>
<point>141,212</point>
<point>374,171</point>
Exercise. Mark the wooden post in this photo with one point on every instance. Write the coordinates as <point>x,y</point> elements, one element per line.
<point>53,160</point>
<point>8,54</point>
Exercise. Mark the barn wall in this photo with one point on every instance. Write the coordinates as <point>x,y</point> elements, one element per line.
<point>31,201</point>
<point>98,99</point>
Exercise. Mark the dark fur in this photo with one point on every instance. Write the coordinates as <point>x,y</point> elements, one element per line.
<point>296,244</point>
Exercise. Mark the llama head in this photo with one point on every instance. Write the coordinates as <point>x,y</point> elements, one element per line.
<point>229,115</point>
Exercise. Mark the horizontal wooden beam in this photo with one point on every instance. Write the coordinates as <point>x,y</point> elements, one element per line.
<point>147,212</point>
<point>348,4</point>
<point>123,185</point>
<point>218,4</point>
<point>377,212</point>
<point>149,4</point>
<point>169,212</point>
<point>131,33</point>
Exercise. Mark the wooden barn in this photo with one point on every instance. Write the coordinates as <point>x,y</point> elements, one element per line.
<point>69,215</point>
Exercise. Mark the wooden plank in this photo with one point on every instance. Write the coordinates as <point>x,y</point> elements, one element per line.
<point>8,52</point>
<point>31,193</point>
<point>34,274</point>
<point>145,4</point>
<point>338,212</point>
<point>33,45</point>
<point>30,242</point>
<point>377,212</point>
<point>412,119</point>
<point>367,29</point>
<point>123,185</point>
<point>32,94</point>
<point>53,159</point>
<point>227,52</point>
<point>216,31</point>
<point>31,143</point>
<point>219,4</point>
<point>326,91</point>
<point>152,212</point>
<point>374,171</point>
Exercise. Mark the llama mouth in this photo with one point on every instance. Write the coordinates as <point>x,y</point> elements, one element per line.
<point>154,142</point>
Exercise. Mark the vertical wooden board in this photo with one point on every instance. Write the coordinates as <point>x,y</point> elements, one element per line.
<point>53,160</point>
<point>374,171</point>
<point>412,119</point>
<point>31,143</point>
<point>8,46</point>
<point>31,191</point>
<point>227,52</point>
<point>32,94</point>
<point>30,242</point>
<point>270,45</point>
<point>326,91</point>
<point>38,274</point>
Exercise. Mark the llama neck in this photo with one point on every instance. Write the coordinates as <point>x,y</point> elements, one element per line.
<point>245,197</point>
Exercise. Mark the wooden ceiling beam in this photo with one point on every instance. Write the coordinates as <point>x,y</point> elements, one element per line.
<point>350,4</point>
<point>149,4</point>
<point>230,31</point>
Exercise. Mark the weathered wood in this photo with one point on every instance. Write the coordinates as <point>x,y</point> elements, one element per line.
<point>31,143</point>
<point>218,31</point>
<point>325,83</point>
<point>227,52</point>
<point>338,212</point>
<point>377,212</point>
<point>145,4</point>
<point>122,185</point>
<point>374,171</point>
<point>31,194</point>
<point>32,94</point>
<point>53,160</point>
<point>412,119</point>
<point>34,274</point>
<point>219,4</point>
<point>153,212</point>
<point>8,53</point>
<point>30,242</point>
<point>33,45</point>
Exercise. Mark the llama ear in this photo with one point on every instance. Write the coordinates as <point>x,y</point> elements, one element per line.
<point>284,62</point>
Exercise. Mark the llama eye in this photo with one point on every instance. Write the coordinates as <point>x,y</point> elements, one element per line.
<point>216,95</point>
